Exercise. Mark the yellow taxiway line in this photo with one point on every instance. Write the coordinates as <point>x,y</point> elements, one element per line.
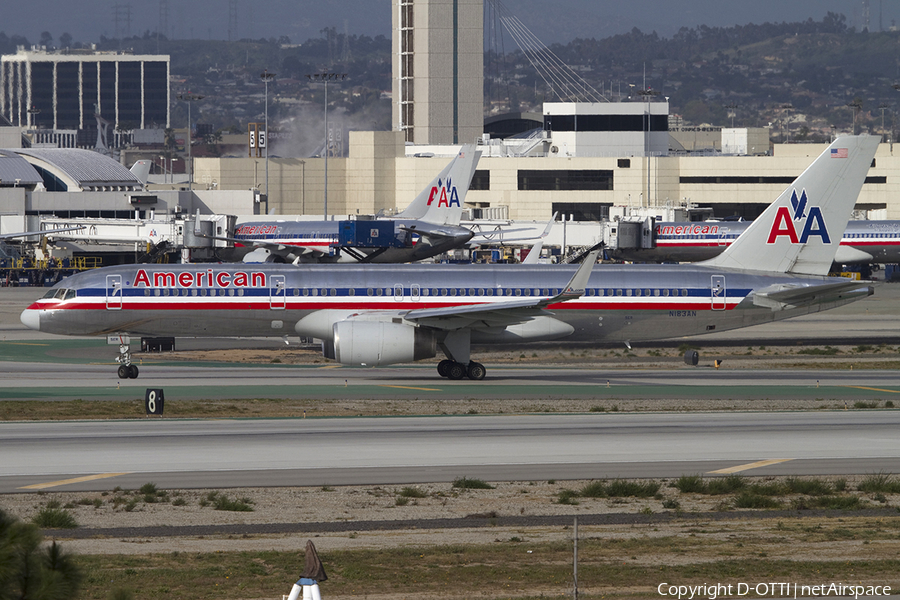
<point>860,387</point>
<point>406,387</point>
<point>753,465</point>
<point>50,484</point>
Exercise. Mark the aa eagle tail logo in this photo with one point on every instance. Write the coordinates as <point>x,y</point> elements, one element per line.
<point>446,194</point>
<point>809,221</point>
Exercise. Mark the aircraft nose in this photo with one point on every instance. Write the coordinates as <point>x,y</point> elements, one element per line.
<point>31,318</point>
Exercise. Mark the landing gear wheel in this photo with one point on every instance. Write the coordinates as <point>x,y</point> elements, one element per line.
<point>133,371</point>
<point>476,371</point>
<point>443,367</point>
<point>124,372</point>
<point>456,371</point>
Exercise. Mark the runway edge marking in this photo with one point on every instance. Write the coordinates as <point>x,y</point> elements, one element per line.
<point>49,484</point>
<point>748,466</point>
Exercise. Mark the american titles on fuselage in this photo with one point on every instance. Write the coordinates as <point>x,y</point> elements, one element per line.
<point>256,230</point>
<point>691,229</point>
<point>198,279</point>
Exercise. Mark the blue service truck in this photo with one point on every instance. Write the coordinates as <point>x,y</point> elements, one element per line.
<point>369,234</point>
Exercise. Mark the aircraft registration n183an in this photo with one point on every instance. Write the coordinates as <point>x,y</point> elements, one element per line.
<point>387,314</point>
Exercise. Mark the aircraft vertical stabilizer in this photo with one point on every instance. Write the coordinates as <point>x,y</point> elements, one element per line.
<point>441,202</point>
<point>801,231</point>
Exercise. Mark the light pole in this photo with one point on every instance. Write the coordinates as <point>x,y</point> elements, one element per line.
<point>189,97</point>
<point>882,106</point>
<point>787,122</point>
<point>267,77</point>
<point>855,106</point>
<point>647,94</point>
<point>732,106</point>
<point>302,187</point>
<point>325,78</point>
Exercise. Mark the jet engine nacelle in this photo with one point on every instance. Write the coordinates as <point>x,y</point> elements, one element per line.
<point>376,343</point>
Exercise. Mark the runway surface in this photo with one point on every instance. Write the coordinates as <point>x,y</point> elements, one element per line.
<point>285,452</point>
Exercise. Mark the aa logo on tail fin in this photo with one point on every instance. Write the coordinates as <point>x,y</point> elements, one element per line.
<point>812,223</point>
<point>446,194</point>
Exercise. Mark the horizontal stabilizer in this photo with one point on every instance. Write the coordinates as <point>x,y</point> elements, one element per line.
<point>786,296</point>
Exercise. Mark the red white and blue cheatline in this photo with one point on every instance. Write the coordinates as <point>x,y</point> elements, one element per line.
<point>838,153</point>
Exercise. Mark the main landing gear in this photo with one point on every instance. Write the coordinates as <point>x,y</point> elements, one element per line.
<point>454,370</point>
<point>126,369</point>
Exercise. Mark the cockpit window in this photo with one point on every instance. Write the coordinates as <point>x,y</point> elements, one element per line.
<point>59,294</point>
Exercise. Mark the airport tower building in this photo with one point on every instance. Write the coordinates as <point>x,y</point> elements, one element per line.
<point>76,90</point>
<point>438,66</point>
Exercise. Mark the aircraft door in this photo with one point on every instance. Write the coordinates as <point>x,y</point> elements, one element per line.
<point>717,292</point>
<point>277,292</point>
<point>415,292</point>
<point>113,292</point>
<point>398,292</point>
<point>723,236</point>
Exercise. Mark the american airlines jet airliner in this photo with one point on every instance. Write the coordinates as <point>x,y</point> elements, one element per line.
<point>386,314</point>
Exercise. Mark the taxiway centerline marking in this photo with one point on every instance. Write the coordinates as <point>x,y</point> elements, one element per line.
<point>406,387</point>
<point>753,465</point>
<point>49,484</point>
<point>862,387</point>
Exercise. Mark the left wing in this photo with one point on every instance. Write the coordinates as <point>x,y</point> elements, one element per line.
<point>503,313</point>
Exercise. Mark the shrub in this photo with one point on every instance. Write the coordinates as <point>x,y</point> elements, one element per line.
<point>725,485</point>
<point>691,484</point>
<point>810,487</point>
<point>747,499</point>
<point>567,497</point>
<point>767,489</point>
<point>620,488</point>
<point>595,489</point>
<point>412,492</point>
<point>671,504</point>
<point>879,482</point>
<point>54,518</point>
<point>223,502</point>
<point>827,351</point>
<point>148,488</point>
<point>465,483</point>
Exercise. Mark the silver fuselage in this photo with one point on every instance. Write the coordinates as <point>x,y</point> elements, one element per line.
<point>621,302</point>
<point>413,240</point>
<point>863,242</point>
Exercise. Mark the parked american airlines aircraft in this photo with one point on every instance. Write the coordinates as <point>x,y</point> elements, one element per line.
<point>863,242</point>
<point>385,314</point>
<point>426,228</point>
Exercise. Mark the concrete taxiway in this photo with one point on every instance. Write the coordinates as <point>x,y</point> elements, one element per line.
<point>286,452</point>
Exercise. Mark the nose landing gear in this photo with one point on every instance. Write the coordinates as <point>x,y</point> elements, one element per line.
<point>126,369</point>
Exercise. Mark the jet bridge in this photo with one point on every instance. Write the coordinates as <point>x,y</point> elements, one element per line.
<point>630,233</point>
<point>171,234</point>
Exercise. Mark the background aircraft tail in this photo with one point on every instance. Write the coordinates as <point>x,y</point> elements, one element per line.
<point>801,231</point>
<point>141,170</point>
<point>441,202</point>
